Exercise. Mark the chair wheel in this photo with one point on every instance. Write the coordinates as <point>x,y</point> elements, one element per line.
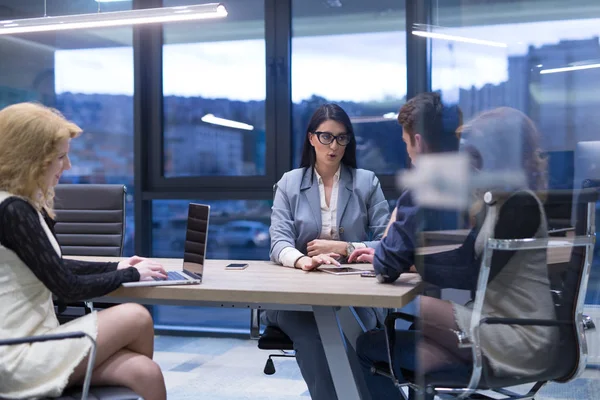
<point>269,367</point>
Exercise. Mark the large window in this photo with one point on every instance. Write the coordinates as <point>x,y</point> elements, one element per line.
<point>238,229</point>
<point>214,94</point>
<point>489,54</point>
<point>88,76</point>
<point>353,54</point>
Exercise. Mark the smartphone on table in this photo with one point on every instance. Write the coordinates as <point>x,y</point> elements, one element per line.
<point>236,266</point>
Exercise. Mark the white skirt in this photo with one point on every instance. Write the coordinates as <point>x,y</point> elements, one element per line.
<point>43,369</point>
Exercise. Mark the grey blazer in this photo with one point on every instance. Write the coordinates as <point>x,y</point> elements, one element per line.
<point>362,211</point>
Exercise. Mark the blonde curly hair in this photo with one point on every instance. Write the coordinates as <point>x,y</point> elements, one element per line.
<point>29,138</point>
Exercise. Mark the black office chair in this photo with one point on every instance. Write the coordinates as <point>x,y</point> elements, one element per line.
<point>568,287</point>
<point>274,339</point>
<point>90,221</point>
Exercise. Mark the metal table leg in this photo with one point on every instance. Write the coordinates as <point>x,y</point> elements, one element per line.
<point>335,350</point>
<point>254,323</point>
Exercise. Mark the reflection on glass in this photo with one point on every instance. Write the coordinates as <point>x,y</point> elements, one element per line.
<point>214,94</point>
<point>89,78</point>
<point>354,55</point>
<point>547,70</point>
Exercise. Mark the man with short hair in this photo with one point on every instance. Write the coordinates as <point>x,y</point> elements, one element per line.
<point>427,127</point>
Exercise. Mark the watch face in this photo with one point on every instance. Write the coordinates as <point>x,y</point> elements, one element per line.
<point>349,248</point>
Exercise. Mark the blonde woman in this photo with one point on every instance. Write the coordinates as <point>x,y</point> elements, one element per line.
<point>34,152</point>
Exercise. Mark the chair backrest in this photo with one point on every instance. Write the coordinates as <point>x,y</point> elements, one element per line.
<point>571,287</point>
<point>568,284</point>
<point>558,205</point>
<point>90,219</point>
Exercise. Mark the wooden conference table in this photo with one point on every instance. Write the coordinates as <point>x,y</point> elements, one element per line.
<point>264,285</point>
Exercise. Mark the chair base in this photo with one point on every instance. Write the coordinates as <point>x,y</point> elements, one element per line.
<point>270,366</point>
<point>441,384</point>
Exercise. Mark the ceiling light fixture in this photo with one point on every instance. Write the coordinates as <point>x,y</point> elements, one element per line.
<point>453,38</point>
<point>569,69</point>
<point>211,119</point>
<point>114,18</point>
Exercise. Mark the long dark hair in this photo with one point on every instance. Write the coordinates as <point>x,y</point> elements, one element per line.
<point>328,112</point>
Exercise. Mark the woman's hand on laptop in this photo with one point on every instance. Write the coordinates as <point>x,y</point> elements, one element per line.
<point>130,262</point>
<point>149,269</point>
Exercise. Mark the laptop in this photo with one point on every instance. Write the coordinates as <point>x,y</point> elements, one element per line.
<point>196,237</point>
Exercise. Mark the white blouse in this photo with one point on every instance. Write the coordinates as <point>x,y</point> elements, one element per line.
<point>329,231</point>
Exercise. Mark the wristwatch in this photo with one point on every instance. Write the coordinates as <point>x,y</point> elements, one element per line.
<point>349,249</point>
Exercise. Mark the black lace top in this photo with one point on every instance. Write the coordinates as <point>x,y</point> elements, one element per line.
<point>70,280</point>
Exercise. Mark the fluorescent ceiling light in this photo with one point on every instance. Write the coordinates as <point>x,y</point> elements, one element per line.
<point>390,115</point>
<point>453,38</point>
<point>211,119</point>
<point>568,69</point>
<point>370,119</point>
<point>114,18</point>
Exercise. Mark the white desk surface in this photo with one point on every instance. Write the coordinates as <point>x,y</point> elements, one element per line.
<point>265,282</point>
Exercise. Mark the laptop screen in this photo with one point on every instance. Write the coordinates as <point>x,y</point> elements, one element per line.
<point>196,237</point>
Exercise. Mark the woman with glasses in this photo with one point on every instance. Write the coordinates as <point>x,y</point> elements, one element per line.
<point>322,211</point>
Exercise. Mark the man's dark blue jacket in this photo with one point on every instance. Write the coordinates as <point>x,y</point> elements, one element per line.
<point>396,252</point>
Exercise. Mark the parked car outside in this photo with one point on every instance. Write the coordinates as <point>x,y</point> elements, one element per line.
<point>243,233</point>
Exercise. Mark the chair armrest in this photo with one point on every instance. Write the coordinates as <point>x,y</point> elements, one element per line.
<point>588,323</point>
<point>392,317</point>
<point>42,338</point>
<point>62,336</point>
<point>390,333</point>
<point>524,322</point>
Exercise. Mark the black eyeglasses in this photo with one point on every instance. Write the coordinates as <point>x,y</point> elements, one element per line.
<point>328,138</point>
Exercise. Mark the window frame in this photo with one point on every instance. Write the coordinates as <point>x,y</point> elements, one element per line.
<point>149,181</point>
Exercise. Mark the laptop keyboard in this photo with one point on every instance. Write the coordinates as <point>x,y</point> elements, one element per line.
<point>172,276</point>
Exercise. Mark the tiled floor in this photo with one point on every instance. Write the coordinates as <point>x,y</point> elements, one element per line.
<point>224,368</point>
<point>232,369</point>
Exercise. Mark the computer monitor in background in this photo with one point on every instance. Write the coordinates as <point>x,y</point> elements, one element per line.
<point>587,168</point>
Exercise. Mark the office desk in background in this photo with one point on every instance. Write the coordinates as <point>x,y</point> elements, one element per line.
<point>264,285</point>
<point>558,252</point>
<point>446,237</point>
